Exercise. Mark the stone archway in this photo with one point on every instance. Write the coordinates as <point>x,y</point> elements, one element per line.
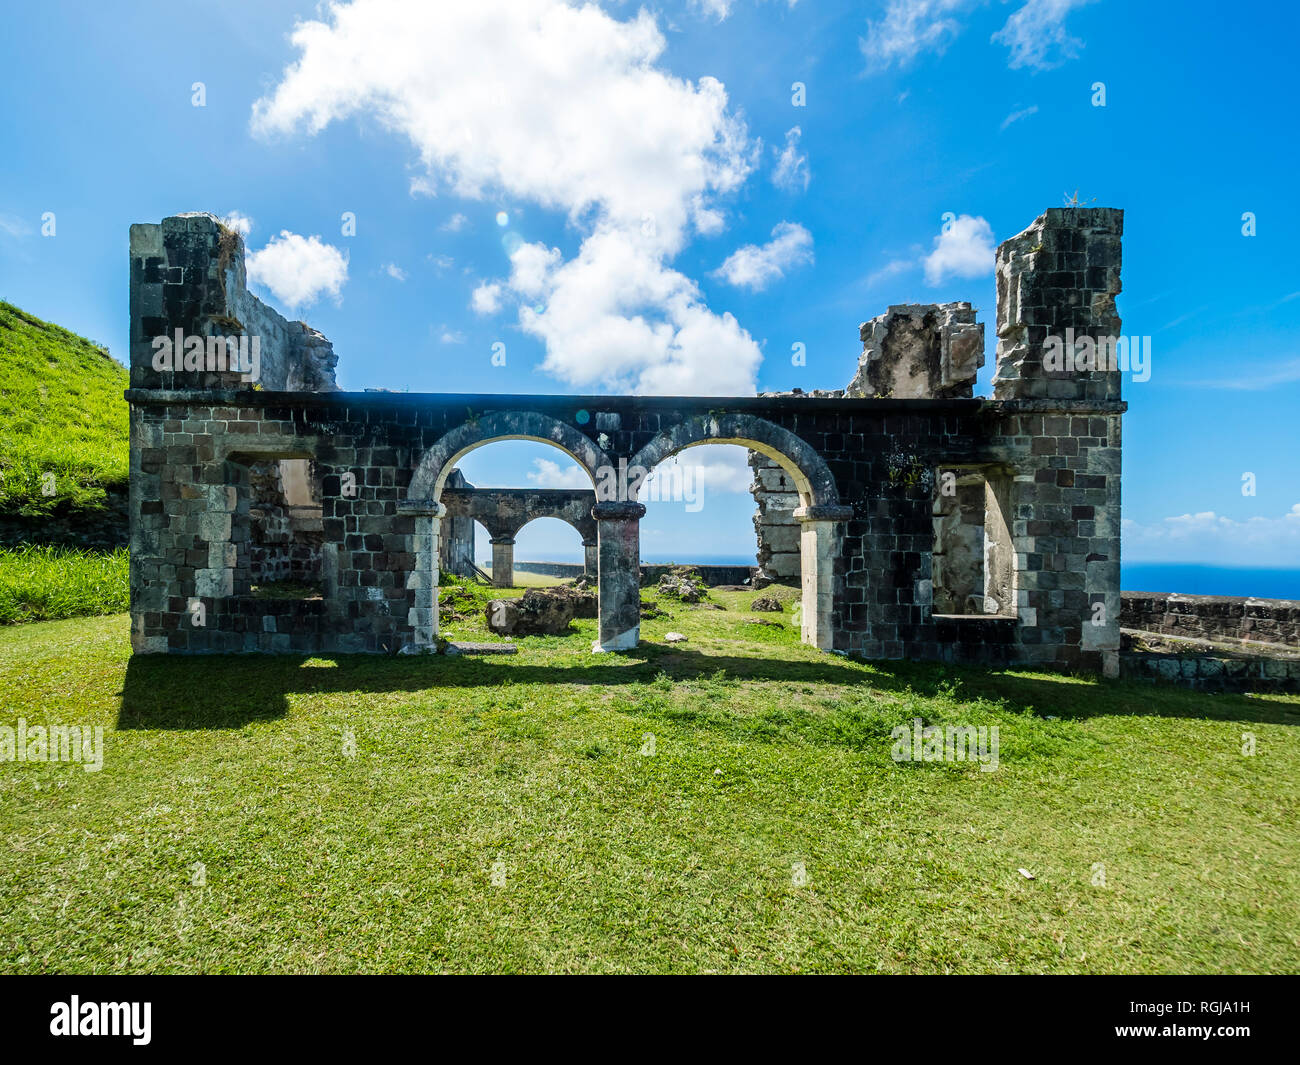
<point>503,513</point>
<point>424,504</point>
<point>818,517</point>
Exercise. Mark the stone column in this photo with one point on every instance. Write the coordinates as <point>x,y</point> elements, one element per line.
<point>503,561</point>
<point>818,542</point>
<point>590,558</point>
<point>423,579</point>
<point>619,574</point>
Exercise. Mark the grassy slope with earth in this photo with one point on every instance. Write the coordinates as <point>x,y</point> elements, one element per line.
<point>506,814</point>
<point>62,414</point>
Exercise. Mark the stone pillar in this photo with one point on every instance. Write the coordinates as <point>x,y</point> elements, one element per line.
<point>423,579</point>
<point>503,561</point>
<point>1057,324</point>
<point>590,558</point>
<point>818,542</point>
<point>619,574</point>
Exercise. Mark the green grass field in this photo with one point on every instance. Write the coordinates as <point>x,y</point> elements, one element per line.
<point>46,583</point>
<point>724,805</point>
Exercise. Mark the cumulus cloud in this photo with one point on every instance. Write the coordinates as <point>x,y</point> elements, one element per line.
<point>1207,536</point>
<point>395,272</point>
<point>755,266</point>
<point>719,469</point>
<point>455,223</point>
<point>298,270</point>
<point>963,249</point>
<point>616,317</point>
<point>486,298</point>
<point>239,222</point>
<point>567,108</point>
<point>791,170</point>
<point>548,474</point>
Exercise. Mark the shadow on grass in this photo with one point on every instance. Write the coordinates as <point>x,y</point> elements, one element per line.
<point>230,691</point>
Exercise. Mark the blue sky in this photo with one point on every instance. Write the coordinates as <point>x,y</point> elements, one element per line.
<point>675,222</point>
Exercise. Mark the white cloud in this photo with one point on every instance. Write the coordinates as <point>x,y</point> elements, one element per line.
<point>910,27</point>
<point>566,108</point>
<point>441,262</point>
<point>755,266</point>
<point>486,299</point>
<point>298,270</point>
<point>791,170</point>
<point>549,474</point>
<point>239,222</point>
<point>1036,34</point>
<point>615,317</point>
<point>1207,536</point>
<point>1016,116</point>
<point>964,249</point>
<point>447,335</point>
<point>720,469</point>
<point>455,223</point>
<point>720,9</point>
<point>395,272</point>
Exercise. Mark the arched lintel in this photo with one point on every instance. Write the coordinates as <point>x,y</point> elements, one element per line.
<point>439,460</point>
<point>812,477</point>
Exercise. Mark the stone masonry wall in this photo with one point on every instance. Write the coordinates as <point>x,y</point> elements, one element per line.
<point>193,450</point>
<point>1213,617</point>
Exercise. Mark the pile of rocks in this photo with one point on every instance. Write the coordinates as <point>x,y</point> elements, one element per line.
<point>683,584</point>
<point>766,604</point>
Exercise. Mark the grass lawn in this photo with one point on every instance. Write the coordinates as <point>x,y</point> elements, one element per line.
<point>44,583</point>
<point>728,804</point>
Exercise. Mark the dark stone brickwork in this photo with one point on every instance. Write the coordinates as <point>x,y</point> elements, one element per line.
<point>1213,617</point>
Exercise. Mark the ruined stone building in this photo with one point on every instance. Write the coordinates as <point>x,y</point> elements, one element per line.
<point>926,523</point>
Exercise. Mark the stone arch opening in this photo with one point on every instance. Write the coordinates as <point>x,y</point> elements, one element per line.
<point>819,514</point>
<point>424,498</point>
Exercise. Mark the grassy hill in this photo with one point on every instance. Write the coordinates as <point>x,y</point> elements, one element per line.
<point>61,413</point>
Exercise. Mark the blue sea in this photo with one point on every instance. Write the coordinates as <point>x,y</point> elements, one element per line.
<point>1200,579</point>
<point>1184,577</point>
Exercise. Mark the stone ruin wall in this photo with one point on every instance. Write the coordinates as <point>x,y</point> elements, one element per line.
<point>912,351</point>
<point>869,585</point>
<point>187,273</point>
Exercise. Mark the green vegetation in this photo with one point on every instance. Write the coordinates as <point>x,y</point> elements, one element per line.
<point>44,583</point>
<point>61,413</point>
<point>647,811</point>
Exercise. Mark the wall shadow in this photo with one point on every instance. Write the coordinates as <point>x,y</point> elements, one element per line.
<point>230,691</point>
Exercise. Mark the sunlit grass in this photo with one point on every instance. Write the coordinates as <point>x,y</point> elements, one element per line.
<point>43,583</point>
<point>725,804</point>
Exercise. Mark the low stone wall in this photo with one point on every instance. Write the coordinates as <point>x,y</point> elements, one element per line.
<point>1213,617</point>
<point>1211,672</point>
<point>650,574</point>
<point>713,575</point>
